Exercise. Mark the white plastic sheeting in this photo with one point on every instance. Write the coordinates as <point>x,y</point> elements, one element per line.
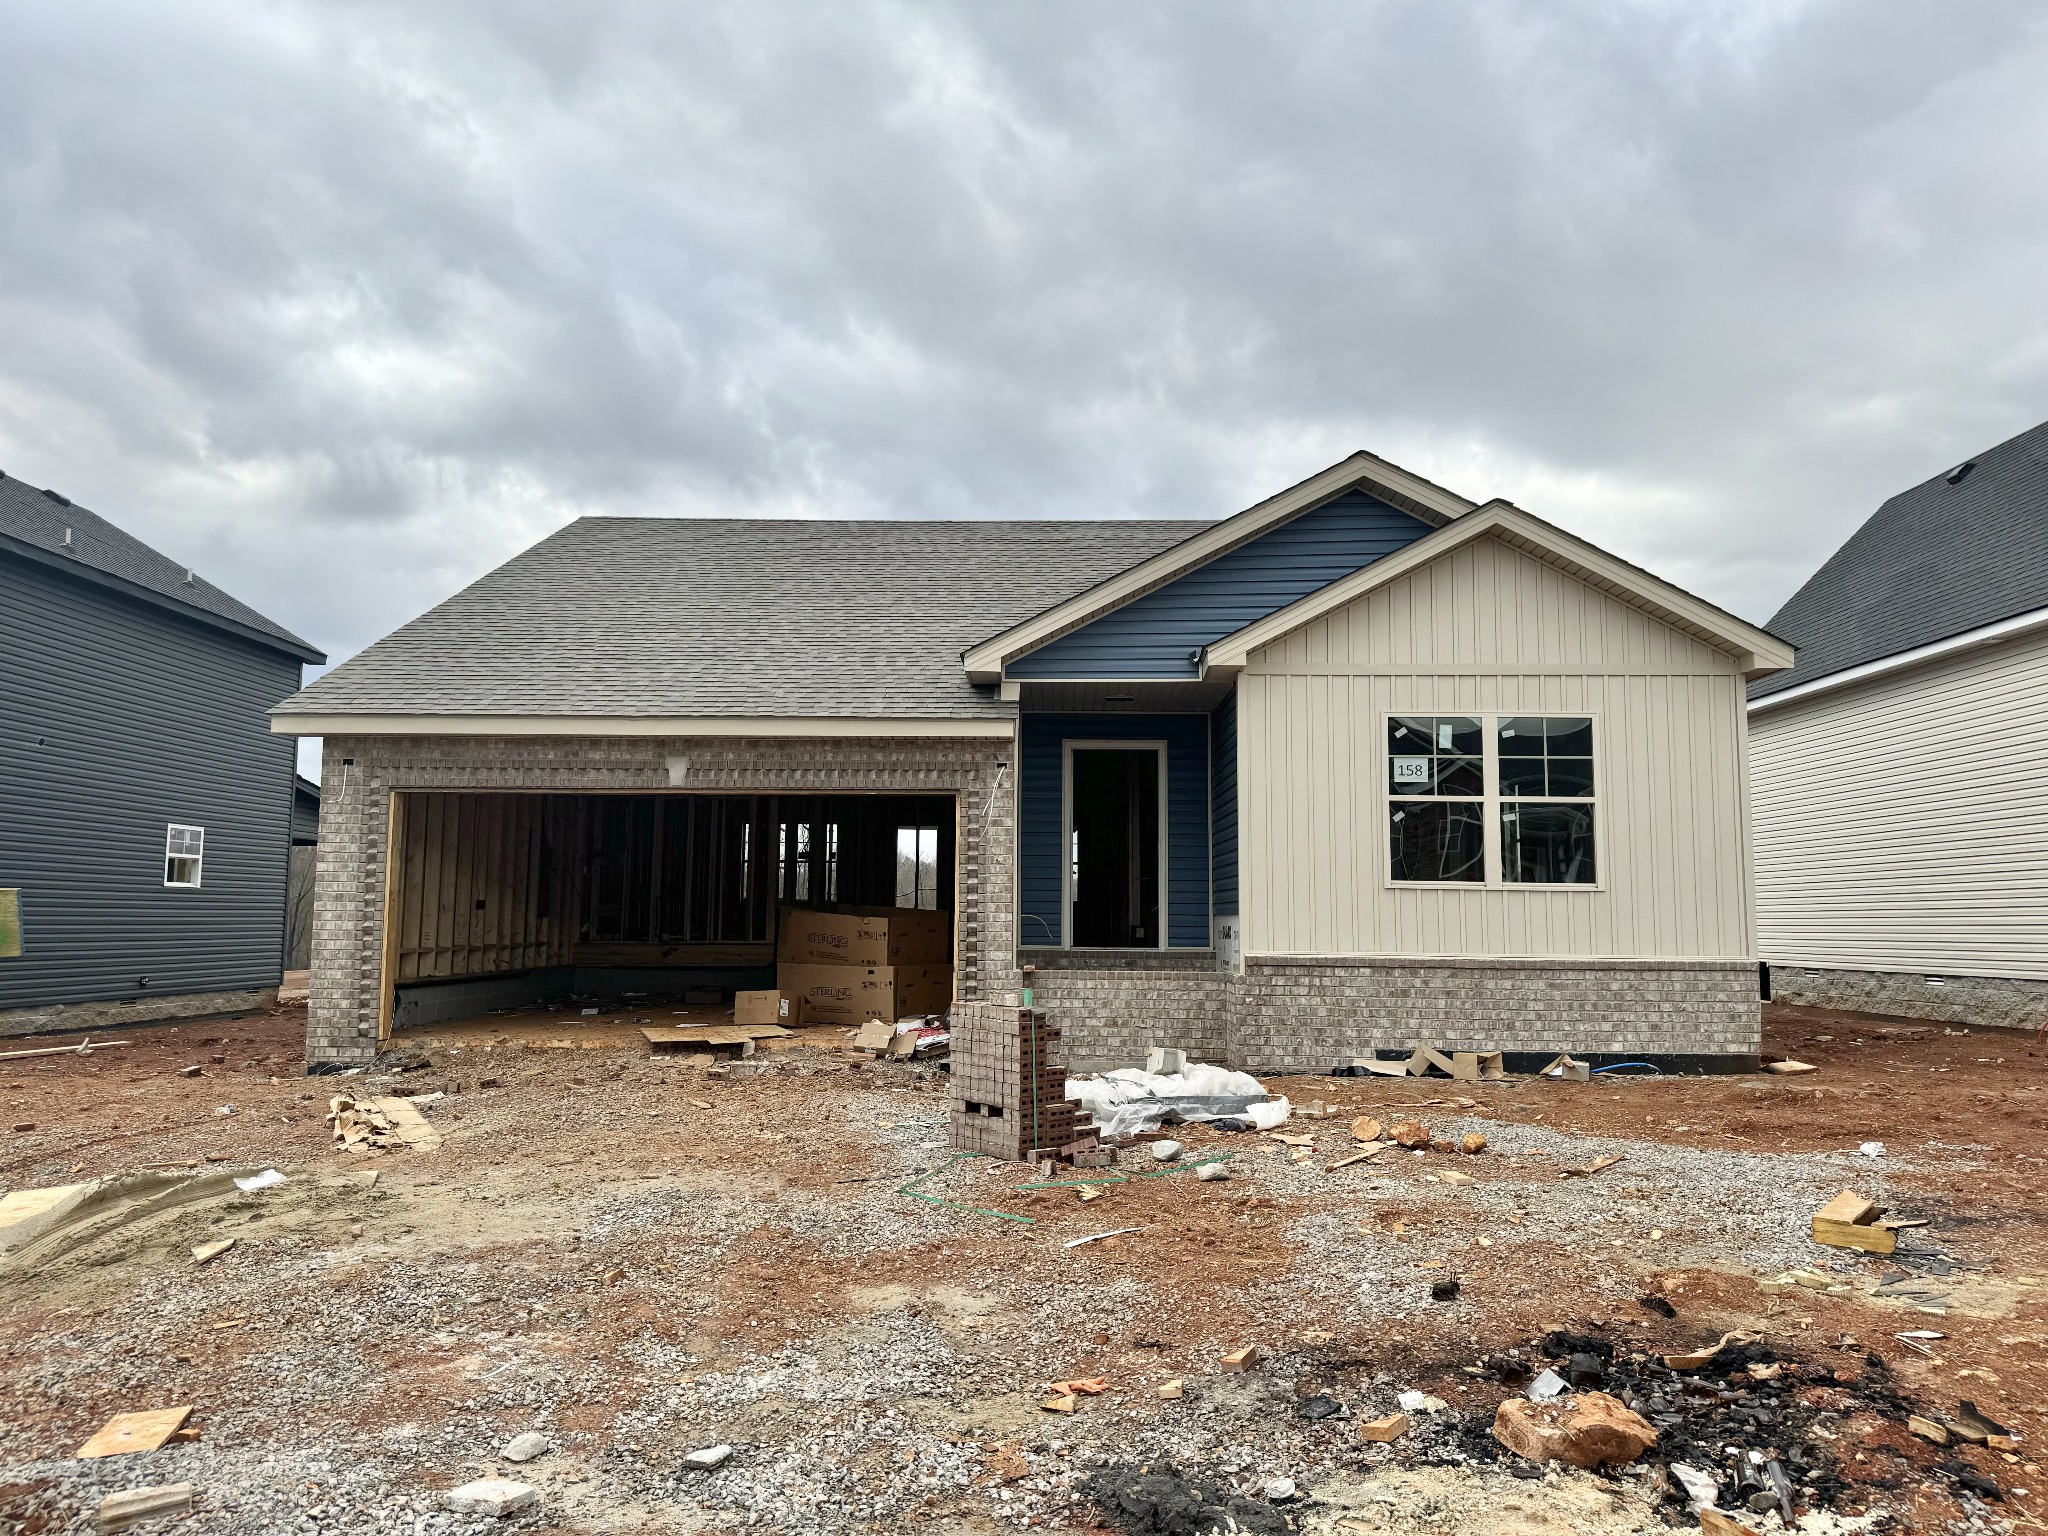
<point>1131,1099</point>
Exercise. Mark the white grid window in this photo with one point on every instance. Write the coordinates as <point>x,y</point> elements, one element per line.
<point>184,852</point>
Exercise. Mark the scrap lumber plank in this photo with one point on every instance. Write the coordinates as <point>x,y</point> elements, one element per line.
<point>1850,1209</point>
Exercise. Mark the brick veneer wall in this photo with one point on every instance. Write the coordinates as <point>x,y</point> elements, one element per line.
<point>1309,1014</point>
<point>361,773</point>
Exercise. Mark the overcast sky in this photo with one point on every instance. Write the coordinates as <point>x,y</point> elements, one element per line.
<point>346,303</point>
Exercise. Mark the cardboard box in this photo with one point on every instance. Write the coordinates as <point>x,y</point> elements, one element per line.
<point>838,994</point>
<point>892,936</point>
<point>853,994</point>
<point>759,1008</point>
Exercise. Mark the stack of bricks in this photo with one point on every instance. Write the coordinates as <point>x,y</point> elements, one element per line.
<point>1010,1084</point>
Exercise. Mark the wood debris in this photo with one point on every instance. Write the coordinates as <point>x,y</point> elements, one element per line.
<point>118,1511</point>
<point>128,1432</point>
<point>1790,1068</point>
<point>1598,1165</point>
<point>1384,1430</point>
<point>1850,1221</point>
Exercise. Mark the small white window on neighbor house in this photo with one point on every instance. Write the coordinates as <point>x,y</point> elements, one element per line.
<point>184,851</point>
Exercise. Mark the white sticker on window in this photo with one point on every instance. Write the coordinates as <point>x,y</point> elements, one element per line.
<point>1443,735</point>
<point>1411,770</point>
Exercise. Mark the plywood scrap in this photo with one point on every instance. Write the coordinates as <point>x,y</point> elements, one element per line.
<point>1789,1068</point>
<point>738,1038</point>
<point>128,1432</point>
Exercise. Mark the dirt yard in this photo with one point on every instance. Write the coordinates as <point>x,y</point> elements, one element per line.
<point>639,1258</point>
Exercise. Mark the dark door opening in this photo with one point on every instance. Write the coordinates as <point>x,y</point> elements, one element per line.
<point>1113,849</point>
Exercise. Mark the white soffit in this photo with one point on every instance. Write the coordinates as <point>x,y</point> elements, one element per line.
<point>1757,651</point>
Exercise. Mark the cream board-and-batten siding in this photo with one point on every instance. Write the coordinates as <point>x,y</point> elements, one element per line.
<point>1487,629</point>
<point>1901,821</point>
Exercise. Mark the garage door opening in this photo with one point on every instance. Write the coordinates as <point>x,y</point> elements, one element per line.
<point>510,904</point>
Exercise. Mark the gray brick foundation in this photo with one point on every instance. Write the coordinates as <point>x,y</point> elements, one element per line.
<point>1992,1002</point>
<point>70,1018</point>
<point>1309,1014</point>
<point>361,773</point>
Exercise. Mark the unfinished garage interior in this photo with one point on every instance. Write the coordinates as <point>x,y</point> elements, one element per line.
<point>525,901</point>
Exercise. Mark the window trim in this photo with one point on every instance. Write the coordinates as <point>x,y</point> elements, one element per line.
<point>1068,748</point>
<point>1491,801</point>
<point>198,880</point>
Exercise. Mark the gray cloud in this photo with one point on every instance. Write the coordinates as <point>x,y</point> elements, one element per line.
<point>345,304</point>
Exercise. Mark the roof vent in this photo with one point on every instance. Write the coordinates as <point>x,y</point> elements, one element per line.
<point>1961,472</point>
<point>67,538</point>
<point>62,501</point>
<point>191,576</point>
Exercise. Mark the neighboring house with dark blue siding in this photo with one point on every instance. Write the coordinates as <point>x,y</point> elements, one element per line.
<point>1365,765</point>
<point>146,811</point>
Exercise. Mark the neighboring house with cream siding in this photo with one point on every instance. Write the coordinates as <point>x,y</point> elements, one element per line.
<point>1901,766</point>
<point>1365,766</point>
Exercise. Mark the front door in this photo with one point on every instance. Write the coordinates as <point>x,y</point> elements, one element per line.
<point>1114,846</point>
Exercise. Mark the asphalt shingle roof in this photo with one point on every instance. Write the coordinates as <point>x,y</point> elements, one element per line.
<point>34,518</point>
<point>735,617</point>
<point>1935,561</point>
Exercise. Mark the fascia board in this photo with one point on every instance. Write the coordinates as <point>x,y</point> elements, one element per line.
<point>1756,651</point>
<point>93,576</point>
<point>288,723</point>
<point>1972,639</point>
<point>984,663</point>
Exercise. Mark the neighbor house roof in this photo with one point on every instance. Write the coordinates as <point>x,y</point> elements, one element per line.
<point>34,525</point>
<point>1956,553</point>
<point>724,618</point>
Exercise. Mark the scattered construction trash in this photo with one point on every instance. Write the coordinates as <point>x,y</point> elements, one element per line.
<point>1130,1100</point>
<point>1871,1149</point>
<point>1156,1497</point>
<point>267,1179</point>
<point>1850,1221</point>
<point>379,1125</point>
<point>1413,1401</point>
<point>1548,1387</point>
<point>490,1496</point>
<point>1701,1490</point>
<point>118,1511</point>
<point>1444,1290</point>
<point>1278,1490</point>
<point>1927,1429</point>
<point>1699,1359</point>
<point>1096,1237</point>
<point>1567,1069</point>
<point>126,1433</point>
<point>206,1253</point>
<point>1384,1431</point>
<point>1242,1359</point>
<point>1592,1430</point>
<point>1170,1391</point>
<point>84,1048</point>
<point>1598,1165</point>
<point>1789,1068</point>
<point>527,1446</point>
<point>709,1459</point>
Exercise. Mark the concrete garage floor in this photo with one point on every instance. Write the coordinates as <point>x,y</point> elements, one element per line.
<point>639,1259</point>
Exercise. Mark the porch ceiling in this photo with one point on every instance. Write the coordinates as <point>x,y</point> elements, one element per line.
<point>1134,698</point>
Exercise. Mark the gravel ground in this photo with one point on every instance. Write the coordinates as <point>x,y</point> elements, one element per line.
<point>592,1258</point>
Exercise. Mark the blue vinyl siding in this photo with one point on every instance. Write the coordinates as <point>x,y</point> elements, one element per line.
<point>1223,805</point>
<point>1041,787</point>
<point>1154,635</point>
<point>118,718</point>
